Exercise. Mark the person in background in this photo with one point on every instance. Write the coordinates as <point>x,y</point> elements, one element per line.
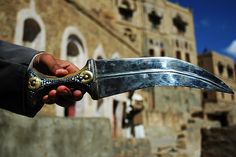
<point>14,62</point>
<point>133,120</point>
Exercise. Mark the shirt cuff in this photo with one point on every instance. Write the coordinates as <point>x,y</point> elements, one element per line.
<point>32,61</point>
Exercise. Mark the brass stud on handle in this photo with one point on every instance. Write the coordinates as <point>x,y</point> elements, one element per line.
<point>87,76</point>
<point>34,83</point>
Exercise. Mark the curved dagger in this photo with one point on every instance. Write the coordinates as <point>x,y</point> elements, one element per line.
<point>102,78</point>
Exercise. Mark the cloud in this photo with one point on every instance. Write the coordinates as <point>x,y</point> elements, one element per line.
<point>231,49</point>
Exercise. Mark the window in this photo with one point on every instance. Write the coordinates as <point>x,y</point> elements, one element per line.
<point>31,30</point>
<point>150,41</point>
<point>72,49</point>
<point>220,67</point>
<point>178,54</point>
<point>186,45</point>
<point>222,95</point>
<point>180,24</point>
<point>187,57</point>
<point>151,52</point>
<point>205,95</point>
<point>125,10</point>
<point>74,46</point>
<point>230,71</point>
<point>154,18</point>
<point>177,43</point>
<point>162,45</point>
<point>162,53</point>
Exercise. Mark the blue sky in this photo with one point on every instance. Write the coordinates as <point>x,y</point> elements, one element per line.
<point>215,24</point>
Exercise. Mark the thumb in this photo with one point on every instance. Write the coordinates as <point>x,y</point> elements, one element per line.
<point>48,64</point>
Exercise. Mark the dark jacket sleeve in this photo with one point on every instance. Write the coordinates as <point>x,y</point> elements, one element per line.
<point>14,62</point>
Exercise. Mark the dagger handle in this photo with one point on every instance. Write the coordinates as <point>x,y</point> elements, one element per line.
<point>40,84</point>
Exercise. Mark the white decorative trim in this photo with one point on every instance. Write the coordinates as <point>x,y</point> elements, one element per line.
<point>24,14</point>
<point>72,30</point>
<point>79,60</point>
<point>115,55</point>
<point>99,51</point>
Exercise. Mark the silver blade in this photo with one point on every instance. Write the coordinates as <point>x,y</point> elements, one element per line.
<point>122,75</point>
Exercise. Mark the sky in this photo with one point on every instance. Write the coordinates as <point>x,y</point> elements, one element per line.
<point>215,24</point>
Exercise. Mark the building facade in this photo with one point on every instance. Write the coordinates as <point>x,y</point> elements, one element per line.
<point>219,107</point>
<point>77,30</point>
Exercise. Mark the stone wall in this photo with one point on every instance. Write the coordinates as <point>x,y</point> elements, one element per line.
<point>54,137</point>
<point>60,137</point>
<point>131,148</point>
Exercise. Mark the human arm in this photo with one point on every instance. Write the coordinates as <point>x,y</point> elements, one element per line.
<point>14,62</point>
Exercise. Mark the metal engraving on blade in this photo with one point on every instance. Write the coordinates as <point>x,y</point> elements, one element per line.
<point>121,75</point>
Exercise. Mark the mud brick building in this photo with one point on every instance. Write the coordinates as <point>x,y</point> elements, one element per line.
<point>219,107</point>
<point>77,30</point>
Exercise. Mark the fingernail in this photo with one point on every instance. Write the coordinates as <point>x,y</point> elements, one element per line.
<point>61,71</point>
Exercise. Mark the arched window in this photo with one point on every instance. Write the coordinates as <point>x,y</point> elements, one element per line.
<point>205,95</point>
<point>75,51</point>
<point>187,57</point>
<point>73,48</point>
<point>178,54</point>
<point>230,71</point>
<point>220,67</point>
<point>163,53</point>
<point>151,52</point>
<point>30,29</point>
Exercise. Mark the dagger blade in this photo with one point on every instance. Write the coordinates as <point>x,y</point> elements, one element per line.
<point>103,78</point>
<point>121,75</point>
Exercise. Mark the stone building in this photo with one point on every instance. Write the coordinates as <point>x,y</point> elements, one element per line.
<point>76,30</point>
<point>219,107</point>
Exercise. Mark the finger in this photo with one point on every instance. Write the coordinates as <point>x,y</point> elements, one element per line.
<point>61,72</point>
<point>52,94</point>
<point>77,95</point>
<point>63,91</point>
<point>71,68</point>
<point>47,100</point>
